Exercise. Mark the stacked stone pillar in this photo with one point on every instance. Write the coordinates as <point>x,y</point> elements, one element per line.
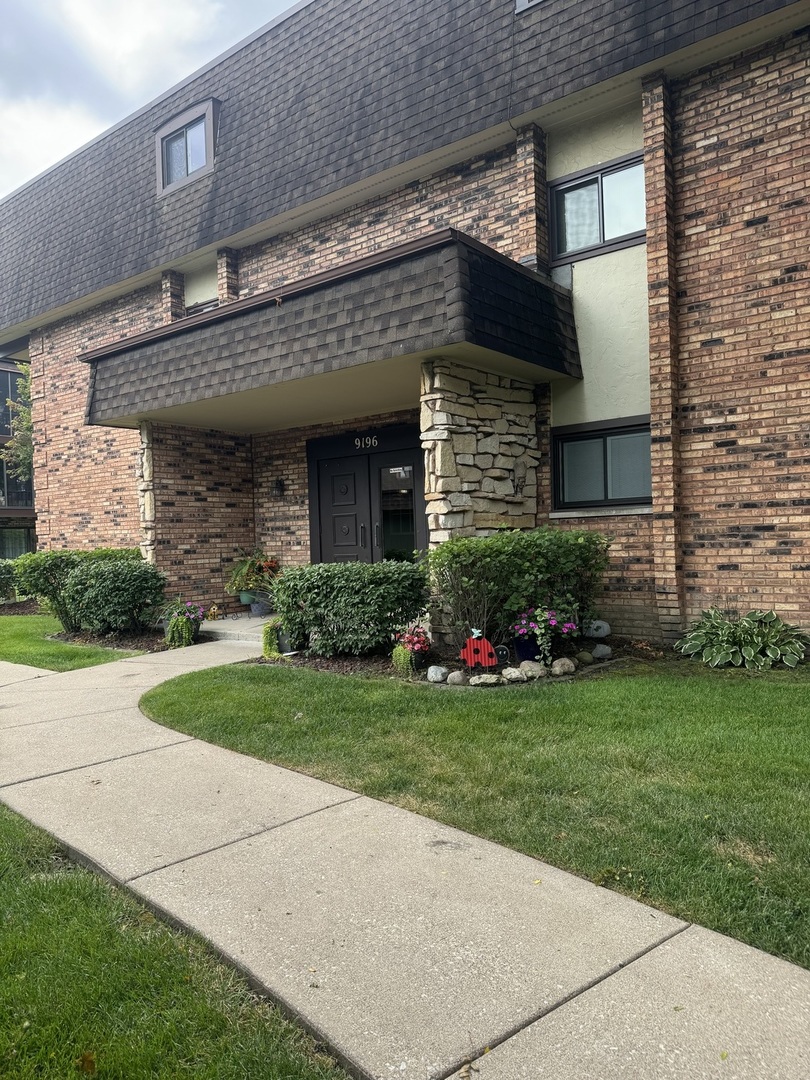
<point>479,438</point>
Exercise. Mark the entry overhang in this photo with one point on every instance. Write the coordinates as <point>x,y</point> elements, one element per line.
<point>344,343</point>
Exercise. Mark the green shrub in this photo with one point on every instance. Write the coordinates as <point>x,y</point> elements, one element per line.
<point>270,648</point>
<point>109,595</point>
<point>352,608</point>
<point>6,577</point>
<point>757,640</point>
<point>486,582</point>
<point>44,574</point>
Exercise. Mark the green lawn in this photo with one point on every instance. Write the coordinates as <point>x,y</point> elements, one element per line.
<point>24,639</point>
<point>686,788</point>
<point>91,982</point>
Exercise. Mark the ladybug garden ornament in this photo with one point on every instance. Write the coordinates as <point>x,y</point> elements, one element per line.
<point>477,652</point>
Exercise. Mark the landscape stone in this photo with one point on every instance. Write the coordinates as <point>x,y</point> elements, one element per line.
<point>437,673</point>
<point>486,680</point>
<point>563,666</point>
<point>511,674</point>
<point>458,678</point>
<point>585,657</point>
<point>532,669</point>
<point>597,629</point>
<point>601,652</point>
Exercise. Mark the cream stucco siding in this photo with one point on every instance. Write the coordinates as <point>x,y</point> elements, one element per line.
<point>610,309</point>
<point>601,139</point>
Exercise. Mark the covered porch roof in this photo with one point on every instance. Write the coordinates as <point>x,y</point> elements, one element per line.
<point>342,344</point>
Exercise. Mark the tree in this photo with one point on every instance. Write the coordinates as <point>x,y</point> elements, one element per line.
<point>18,453</point>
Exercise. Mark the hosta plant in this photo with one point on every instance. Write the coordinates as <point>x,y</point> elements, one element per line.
<point>757,640</point>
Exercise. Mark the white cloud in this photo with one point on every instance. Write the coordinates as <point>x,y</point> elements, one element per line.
<point>38,133</point>
<point>140,45</point>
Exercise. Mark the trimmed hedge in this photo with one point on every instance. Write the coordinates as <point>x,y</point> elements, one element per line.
<point>6,577</point>
<point>485,582</point>
<point>107,596</point>
<point>44,574</point>
<point>354,608</point>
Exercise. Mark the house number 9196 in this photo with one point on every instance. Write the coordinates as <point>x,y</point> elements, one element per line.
<point>365,442</point>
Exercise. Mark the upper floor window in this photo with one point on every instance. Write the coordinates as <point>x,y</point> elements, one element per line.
<point>9,383</point>
<point>14,493</point>
<point>598,210</point>
<point>185,146</point>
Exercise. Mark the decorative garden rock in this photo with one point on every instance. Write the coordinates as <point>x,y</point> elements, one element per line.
<point>486,680</point>
<point>602,652</point>
<point>563,666</point>
<point>512,674</point>
<point>597,629</point>
<point>585,658</point>
<point>437,673</point>
<point>532,669</point>
<point>457,678</point>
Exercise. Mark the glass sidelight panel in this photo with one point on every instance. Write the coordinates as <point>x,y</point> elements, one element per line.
<point>397,512</point>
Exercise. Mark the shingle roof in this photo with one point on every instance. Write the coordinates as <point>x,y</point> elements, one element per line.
<point>337,92</point>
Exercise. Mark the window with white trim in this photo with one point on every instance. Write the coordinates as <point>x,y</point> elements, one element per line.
<point>603,467</point>
<point>598,210</point>
<point>185,146</point>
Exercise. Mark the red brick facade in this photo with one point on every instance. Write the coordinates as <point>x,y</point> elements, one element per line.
<point>728,235</point>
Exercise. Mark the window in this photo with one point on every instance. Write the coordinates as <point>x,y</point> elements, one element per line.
<point>595,212</point>
<point>9,381</point>
<point>608,467</point>
<point>185,146</point>
<point>14,542</point>
<point>14,493</point>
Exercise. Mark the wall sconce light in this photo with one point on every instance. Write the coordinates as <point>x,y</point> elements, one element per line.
<point>280,487</point>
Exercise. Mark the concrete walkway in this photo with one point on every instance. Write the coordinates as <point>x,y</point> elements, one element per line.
<point>408,947</point>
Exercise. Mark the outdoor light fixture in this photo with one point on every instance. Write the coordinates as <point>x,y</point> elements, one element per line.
<point>280,487</point>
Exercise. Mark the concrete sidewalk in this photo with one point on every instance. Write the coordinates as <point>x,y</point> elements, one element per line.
<point>408,947</point>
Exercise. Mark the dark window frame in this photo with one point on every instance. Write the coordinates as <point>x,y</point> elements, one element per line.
<point>578,179</point>
<point>208,112</point>
<point>562,436</point>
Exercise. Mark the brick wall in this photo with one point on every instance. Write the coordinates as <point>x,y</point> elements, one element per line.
<point>203,494</point>
<point>741,151</point>
<point>85,477</point>
<point>488,197</point>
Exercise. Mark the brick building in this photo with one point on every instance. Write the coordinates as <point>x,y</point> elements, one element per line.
<point>387,273</point>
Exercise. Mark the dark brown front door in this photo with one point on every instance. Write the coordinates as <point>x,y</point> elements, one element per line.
<point>343,495</point>
<point>370,501</point>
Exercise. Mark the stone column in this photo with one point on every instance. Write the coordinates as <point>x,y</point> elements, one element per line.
<point>662,290</point>
<point>480,442</point>
<point>146,493</point>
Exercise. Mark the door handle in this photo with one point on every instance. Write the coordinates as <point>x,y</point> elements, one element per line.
<point>362,535</point>
<point>376,534</point>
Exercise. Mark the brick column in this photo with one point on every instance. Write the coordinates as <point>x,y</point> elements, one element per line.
<point>662,291</point>
<point>227,275</point>
<point>532,205</point>
<point>173,296</point>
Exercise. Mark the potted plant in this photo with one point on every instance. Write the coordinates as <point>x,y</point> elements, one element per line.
<point>411,649</point>
<point>252,577</point>
<point>535,631</point>
<point>182,622</point>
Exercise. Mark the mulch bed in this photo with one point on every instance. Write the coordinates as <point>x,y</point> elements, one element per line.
<point>21,607</point>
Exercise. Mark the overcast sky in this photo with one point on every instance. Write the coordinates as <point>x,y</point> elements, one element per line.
<point>69,69</point>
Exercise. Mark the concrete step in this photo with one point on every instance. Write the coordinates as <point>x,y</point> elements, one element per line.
<point>235,628</point>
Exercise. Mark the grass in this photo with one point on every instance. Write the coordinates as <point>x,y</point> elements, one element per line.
<point>91,982</point>
<point>685,788</point>
<point>26,639</point>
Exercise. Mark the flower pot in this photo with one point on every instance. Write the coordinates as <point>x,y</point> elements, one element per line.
<point>283,642</point>
<point>525,648</point>
<point>260,605</point>
<point>246,597</point>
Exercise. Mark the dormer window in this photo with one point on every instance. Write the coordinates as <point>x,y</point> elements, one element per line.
<point>185,146</point>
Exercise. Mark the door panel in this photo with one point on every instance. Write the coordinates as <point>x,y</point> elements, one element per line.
<point>397,504</point>
<point>343,493</point>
